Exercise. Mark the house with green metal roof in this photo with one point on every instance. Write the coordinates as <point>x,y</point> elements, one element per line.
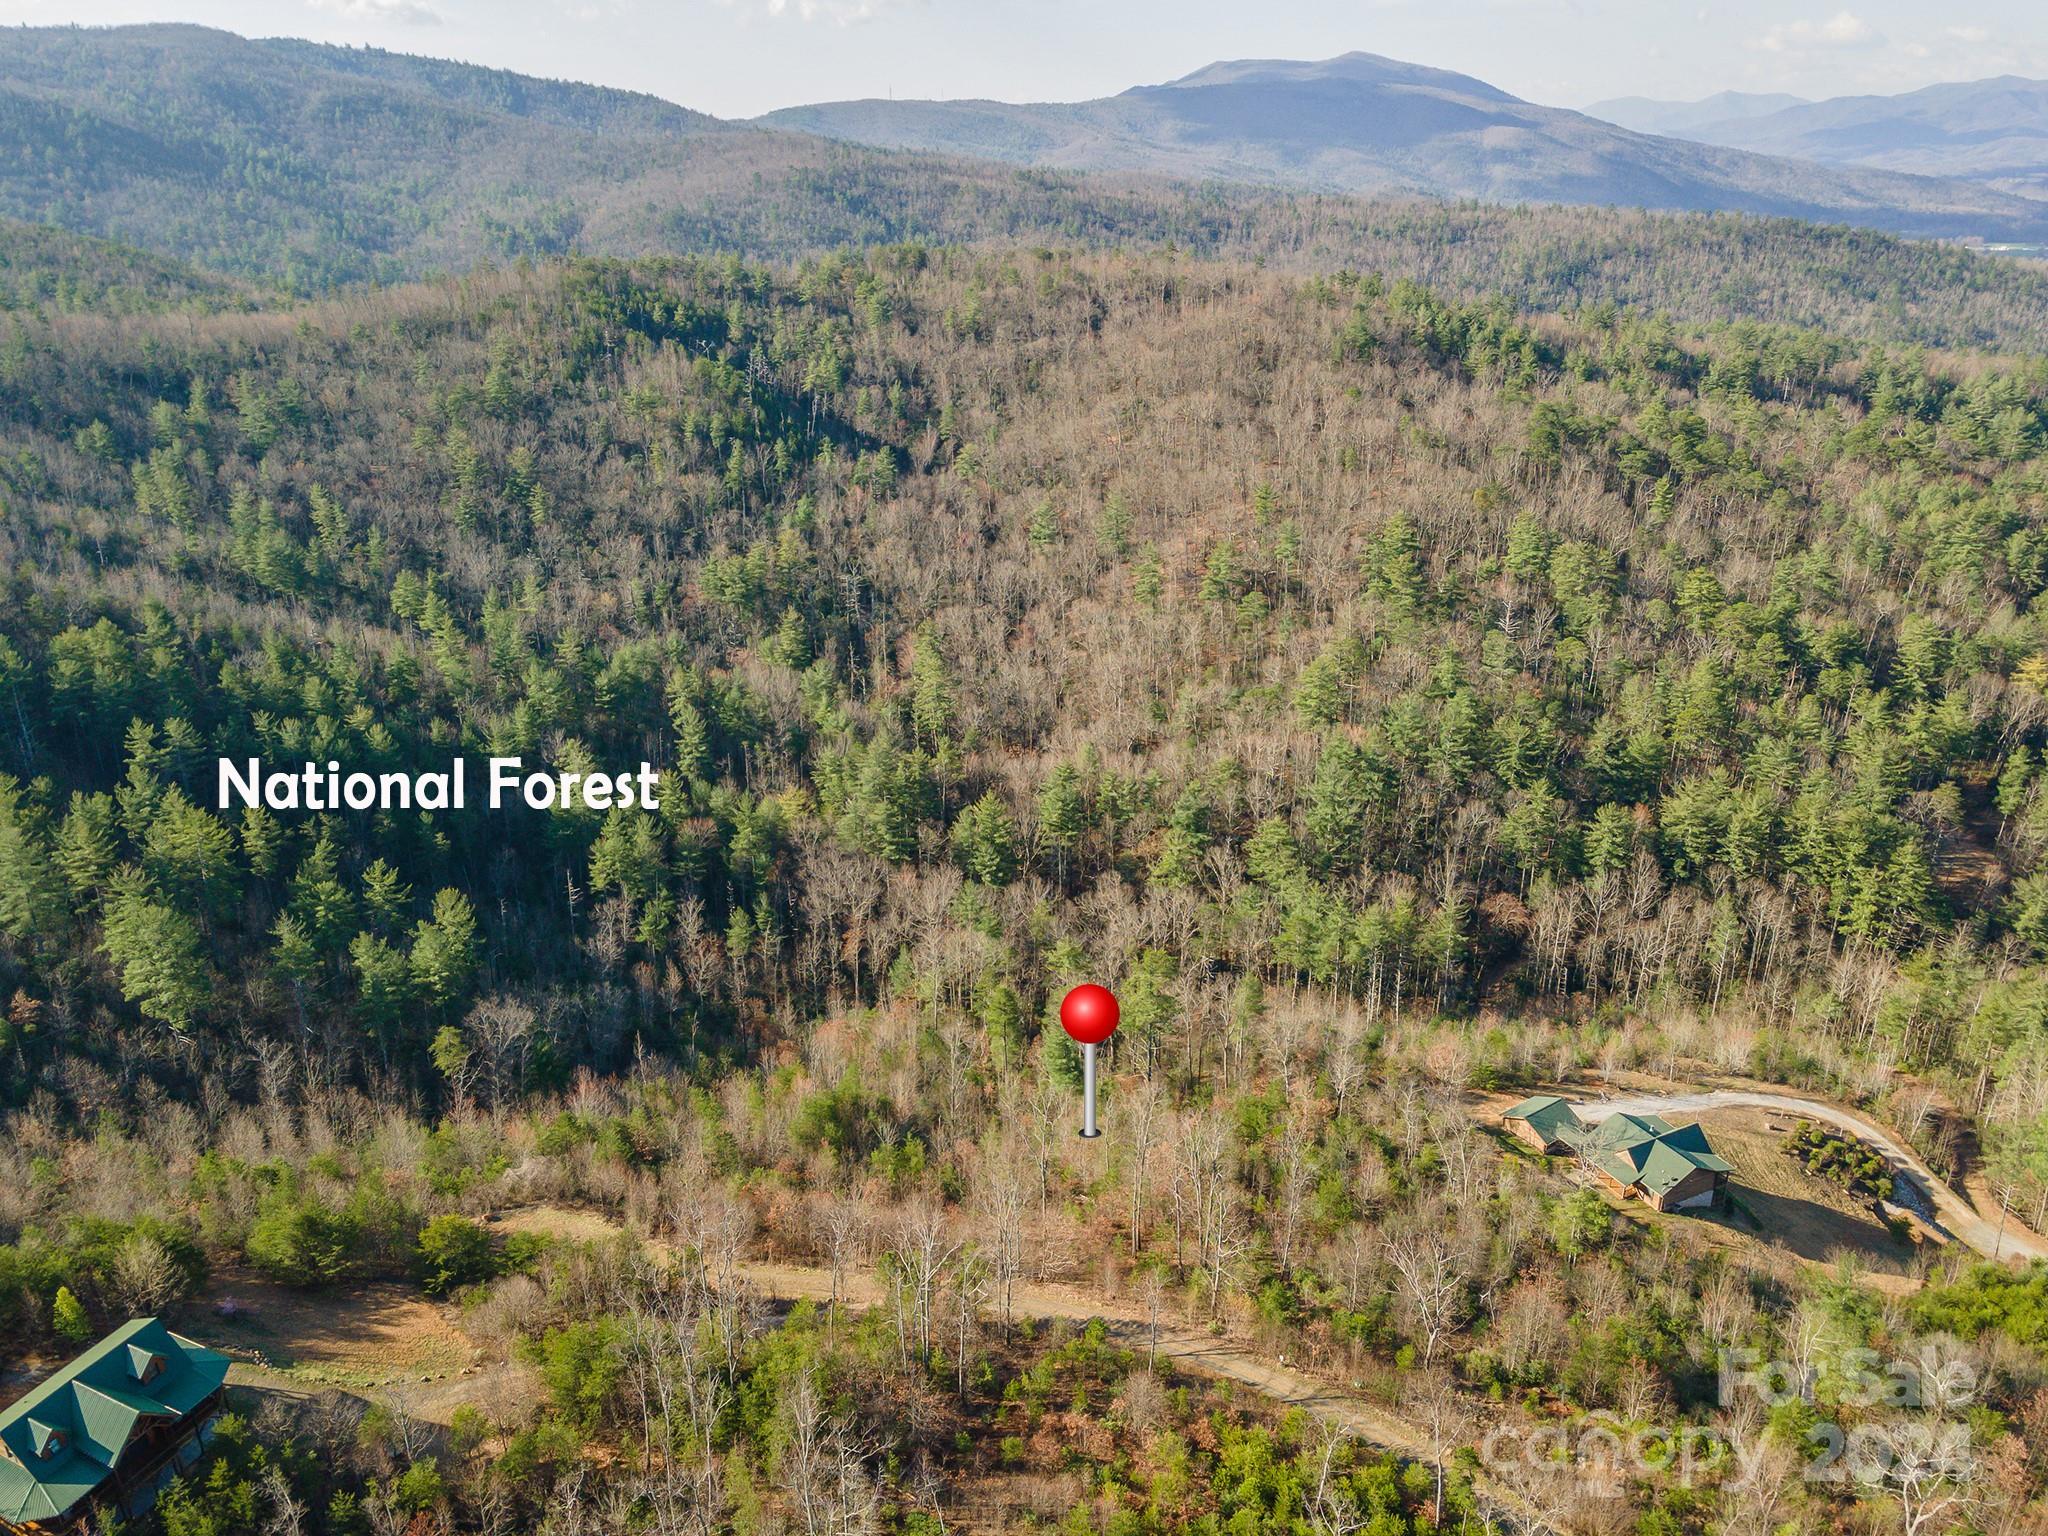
<point>1646,1157</point>
<point>1546,1122</point>
<point>107,1431</point>
<point>1642,1157</point>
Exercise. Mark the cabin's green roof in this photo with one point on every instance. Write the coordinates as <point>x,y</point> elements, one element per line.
<point>1627,1130</point>
<point>63,1439</point>
<point>1648,1152</point>
<point>1551,1116</point>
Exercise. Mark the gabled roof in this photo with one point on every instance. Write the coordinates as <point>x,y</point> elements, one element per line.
<point>63,1439</point>
<point>1648,1152</point>
<point>1549,1115</point>
<point>1626,1130</point>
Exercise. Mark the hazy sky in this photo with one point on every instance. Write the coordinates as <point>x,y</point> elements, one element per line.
<point>740,57</point>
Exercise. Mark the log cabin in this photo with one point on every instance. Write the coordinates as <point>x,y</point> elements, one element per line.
<point>101,1436</point>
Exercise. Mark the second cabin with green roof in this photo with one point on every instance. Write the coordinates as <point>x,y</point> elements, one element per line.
<point>1546,1122</point>
<point>101,1435</point>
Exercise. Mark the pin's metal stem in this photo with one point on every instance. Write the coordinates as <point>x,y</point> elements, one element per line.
<point>1088,1091</point>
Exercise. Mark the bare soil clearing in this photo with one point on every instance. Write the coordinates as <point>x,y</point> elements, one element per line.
<point>1960,1219</point>
<point>1965,1217</point>
<point>358,1338</point>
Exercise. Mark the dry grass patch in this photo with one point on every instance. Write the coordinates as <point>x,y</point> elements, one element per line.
<point>367,1336</point>
<point>1805,1215</point>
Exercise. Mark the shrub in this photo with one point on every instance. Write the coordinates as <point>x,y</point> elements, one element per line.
<point>1989,1297</point>
<point>301,1242</point>
<point>580,1365</point>
<point>68,1317</point>
<point>455,1251</point>
<point>1840,1159</point>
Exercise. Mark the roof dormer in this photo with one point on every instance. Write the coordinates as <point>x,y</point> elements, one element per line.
<point>47,1439</point>
<point>145,1365</point>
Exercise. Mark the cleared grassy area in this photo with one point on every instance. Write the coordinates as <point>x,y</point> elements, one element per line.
<point>355,1338</point>
<point>1778,1204</point>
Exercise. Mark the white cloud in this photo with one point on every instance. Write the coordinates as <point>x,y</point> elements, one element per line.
<point>843,13</point>
<point>1844,29</point>
<point>1970,34</point>
<point>412,13</point>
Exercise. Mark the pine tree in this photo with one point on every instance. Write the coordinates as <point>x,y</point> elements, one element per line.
<point>319,900</point>
<point>189,855</point>
<point>1528,555</point>
<point>693,740</point>
<point>1393,565</point>
<point>1348,786</point>
<point>386,897</point>
<point>1460,737</point>
<point>985,838</point>
<point>444,950</point>
<point>790,645</point>
<point>1113,531</point>
<point>1148,580</point>
<point>1220,574</point>
<point>1319,692</point>
<point>156,950</point>
<point>1609,842</point>
<point>32,895</point>
<point>87,844</point>
<point>1062,812</point>
<point>263,841</point>
<point>882,818</point>
<point>2015,782</point>
<point>1178,863</point>
<point>932,709</point>
<point>384,983</point>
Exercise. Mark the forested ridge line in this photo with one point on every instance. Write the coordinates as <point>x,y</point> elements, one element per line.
<point>300,168</point>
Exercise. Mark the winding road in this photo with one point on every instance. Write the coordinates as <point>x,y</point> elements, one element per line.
<point>1137,1325</point>
<point>1957,1216</point>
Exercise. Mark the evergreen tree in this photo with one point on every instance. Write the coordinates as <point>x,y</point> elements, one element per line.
<point>1349,786</point>
<point>155,949</point>
<point>1063,812</point>
<point>985,838</point>
<point>444,950</point>
<point>32,897</point>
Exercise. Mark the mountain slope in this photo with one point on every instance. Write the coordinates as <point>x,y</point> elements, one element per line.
<point>295,158</point>
<point>54,270</point>
<point>1360,123</point>
<point>299,165</point>
<point>1994,132</point>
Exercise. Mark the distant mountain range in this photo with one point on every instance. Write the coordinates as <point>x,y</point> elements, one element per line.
<point>1646,114</point>
<point>307,165</point>
<point>1365,124</point>
<point>1993,132</point>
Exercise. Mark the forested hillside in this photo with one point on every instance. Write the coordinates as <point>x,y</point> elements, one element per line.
<point>1390,695</point>
<point>1366,124</point>
<point>1210,629</point>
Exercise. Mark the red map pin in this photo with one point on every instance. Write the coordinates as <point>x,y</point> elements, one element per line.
<point>1089,1014</point>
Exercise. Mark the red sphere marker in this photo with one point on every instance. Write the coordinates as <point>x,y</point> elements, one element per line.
<point>1089,1014</point>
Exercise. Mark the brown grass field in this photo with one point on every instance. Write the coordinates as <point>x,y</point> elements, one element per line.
<point>362,1339</point>
<point>1779,1211</point>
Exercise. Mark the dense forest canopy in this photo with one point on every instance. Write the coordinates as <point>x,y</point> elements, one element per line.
<point>1393,694</point>
<point>1203,627</point>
